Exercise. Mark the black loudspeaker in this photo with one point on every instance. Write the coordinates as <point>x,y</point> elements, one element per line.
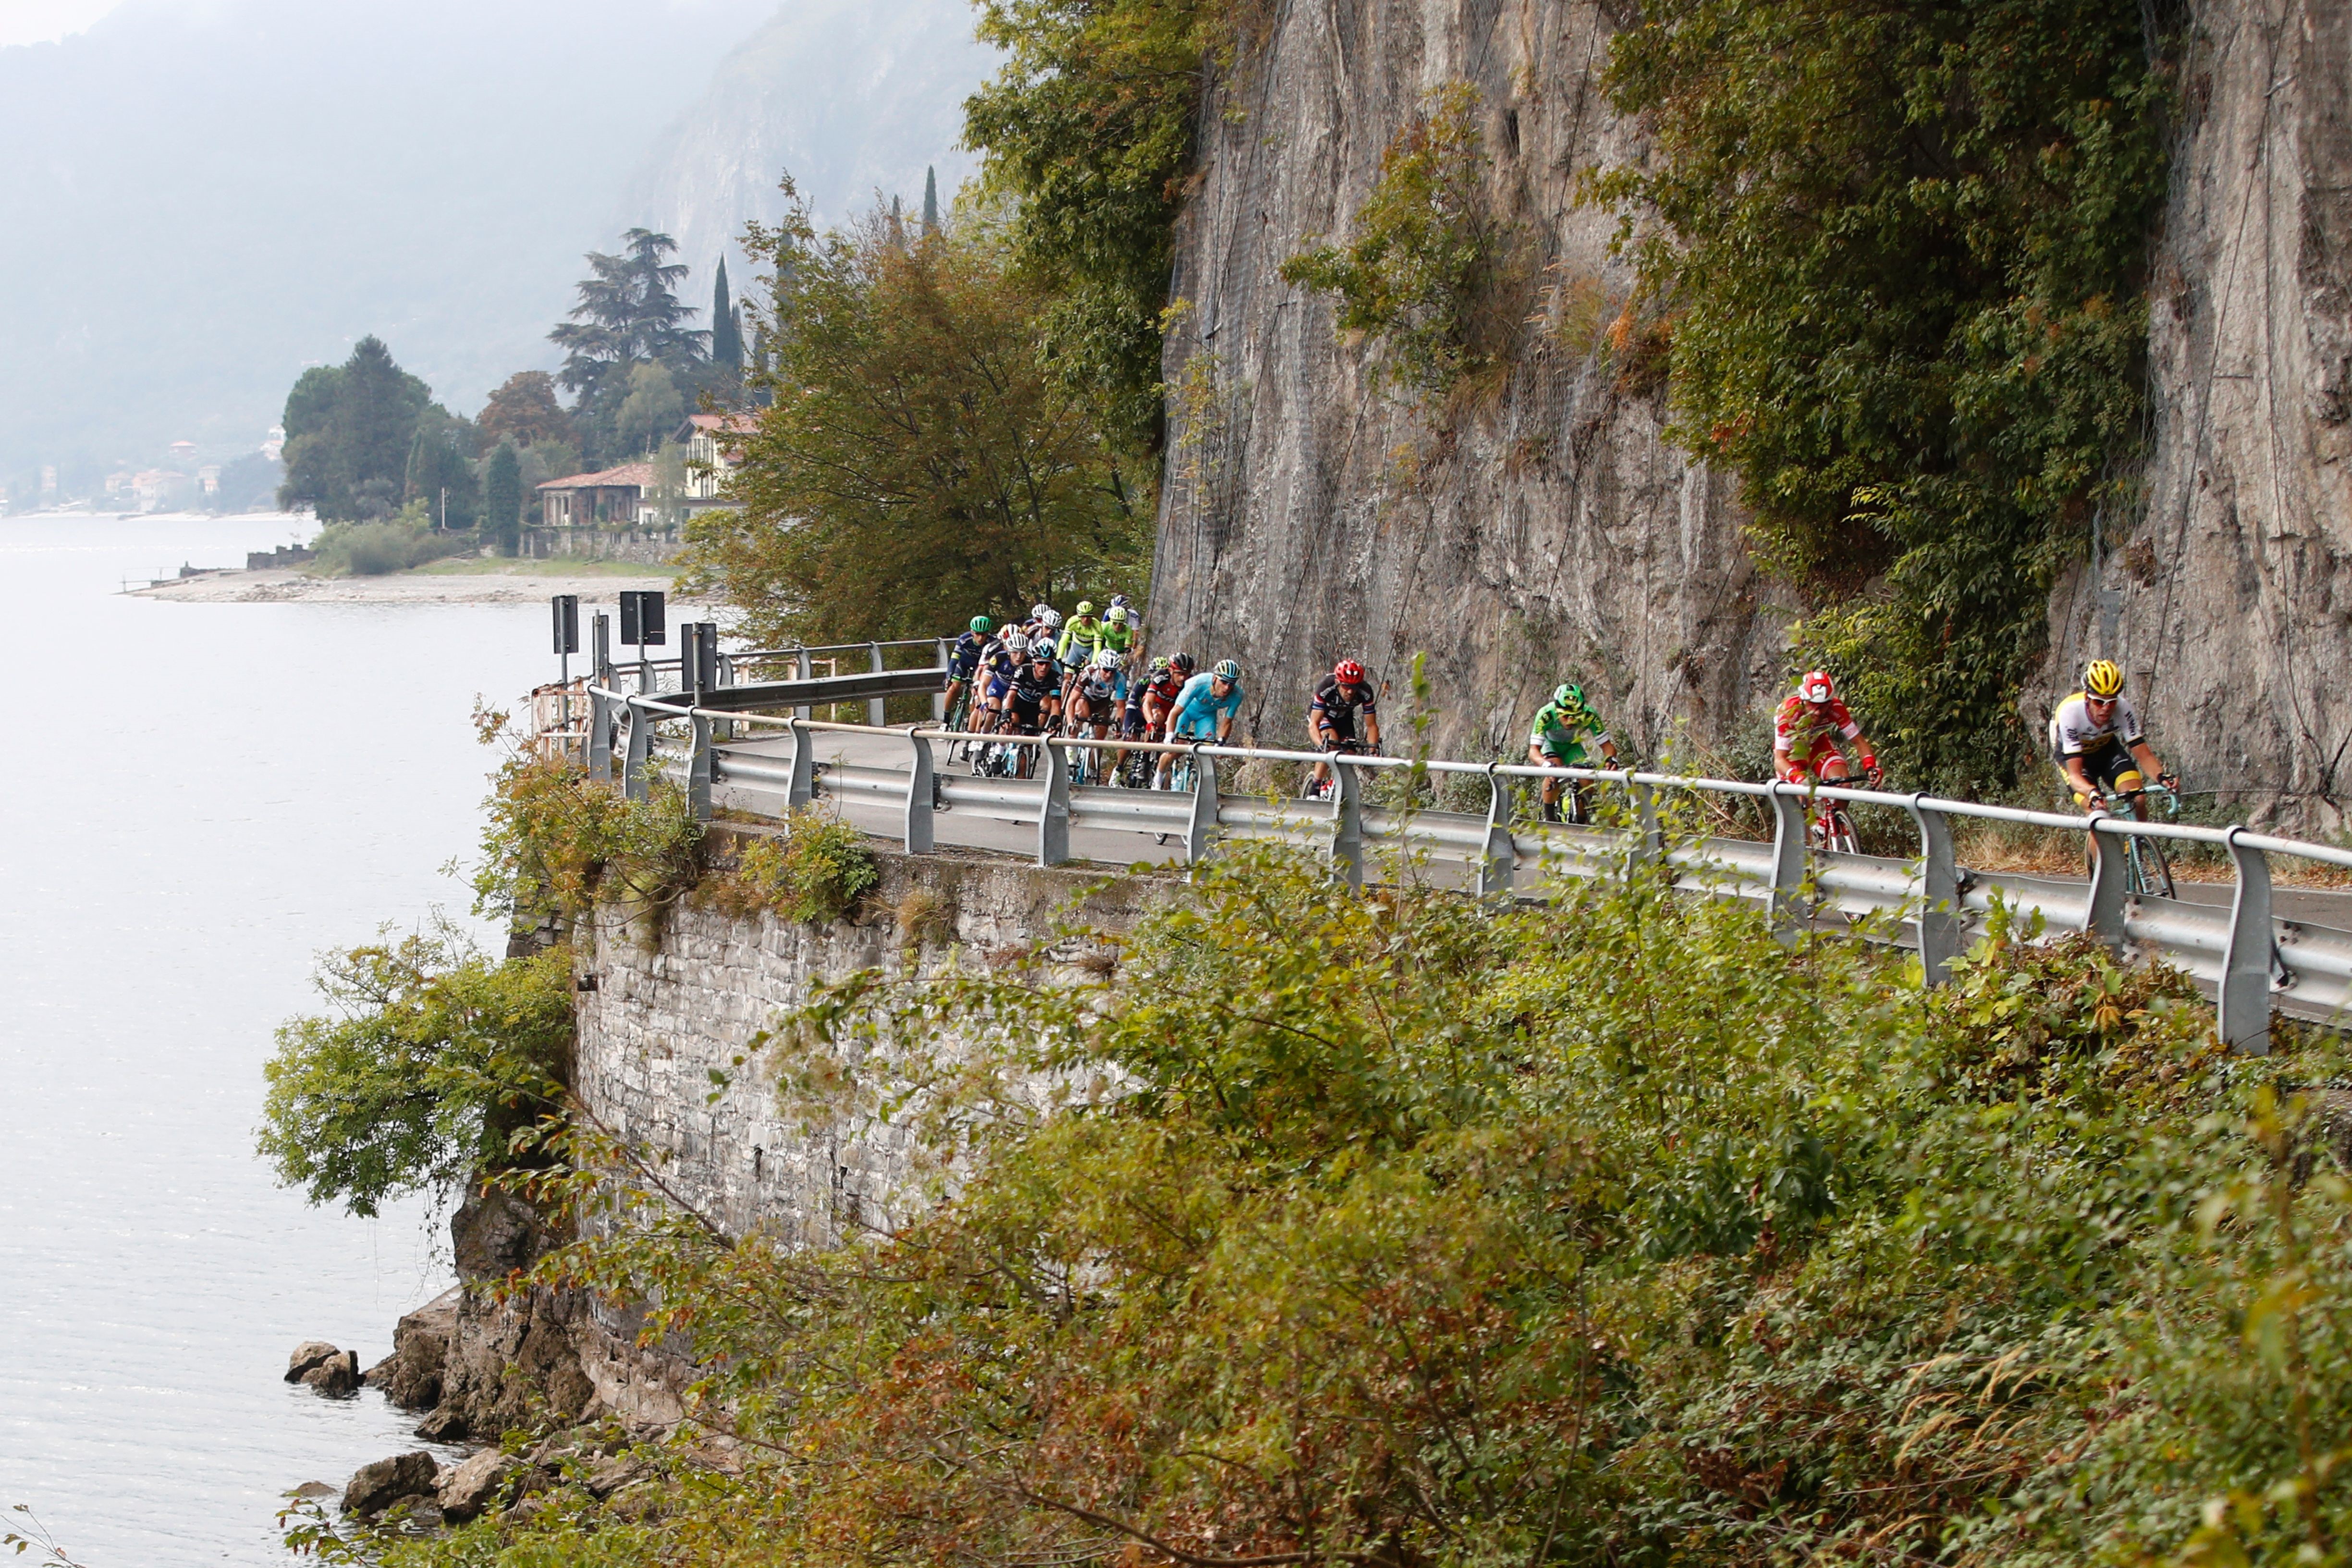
<point>567,623</point>
<point>642,619</point>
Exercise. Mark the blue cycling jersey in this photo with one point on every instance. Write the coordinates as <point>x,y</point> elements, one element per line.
<point>1197,707</point>
<point>965,658</point>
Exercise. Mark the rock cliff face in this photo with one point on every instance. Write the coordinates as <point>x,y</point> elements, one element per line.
<point>1307,515</point>
<point>2227,596</point>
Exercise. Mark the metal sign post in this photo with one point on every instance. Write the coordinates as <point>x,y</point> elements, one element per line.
<point>642,618</point>
<point>567,643</point>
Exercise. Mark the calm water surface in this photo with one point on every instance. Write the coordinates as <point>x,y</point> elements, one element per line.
<point>196,799</point>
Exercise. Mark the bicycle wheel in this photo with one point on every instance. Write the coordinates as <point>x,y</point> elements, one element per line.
<point>1842,834</point>
<point>2147,871</point>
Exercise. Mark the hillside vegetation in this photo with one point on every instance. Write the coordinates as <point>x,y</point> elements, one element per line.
<point>1394,1230</point>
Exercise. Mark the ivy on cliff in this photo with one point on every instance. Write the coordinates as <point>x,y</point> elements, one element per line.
<point>1900,250</point>
<point>1089,128</point>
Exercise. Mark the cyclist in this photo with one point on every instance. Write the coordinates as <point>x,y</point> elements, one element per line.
<point>1331,713</point>
<point>963,664</point>
<point>1204,708</point>
<point>1081,636</point>
<point>2097,743</point>
<point>1809,732</point>
<point>1034,701</point>
<point>1564,727</point>
<point>1094,701</point>
<point>998,666</point>
<point>1118,637</point>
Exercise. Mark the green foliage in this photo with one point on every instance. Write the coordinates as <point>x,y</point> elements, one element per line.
<point>349,430</point>
<point>557,843</point>
<point>651,411</point>
<point>1089,128</point>
<point>816,871</point>
<point>1334,1227</point>
<point>431,1056</point>
<point>524,410</point>
<point>726,326</point>
<point>918,462</point>
<point>440,473</point>
<point>372,549</point>
<point>1416,273</point>
<point>628,316</point>
<point>502,499</point>
<point>1900,253</point>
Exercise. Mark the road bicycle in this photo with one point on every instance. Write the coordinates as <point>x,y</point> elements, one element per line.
<point>1831,830</point>
<point>2147,870</point>
<point>1322,788</point>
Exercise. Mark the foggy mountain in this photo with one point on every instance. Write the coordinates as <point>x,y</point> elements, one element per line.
<point>853,97</point>
<point>203,197</point>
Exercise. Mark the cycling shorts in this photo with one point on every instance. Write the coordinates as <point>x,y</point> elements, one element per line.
<point>998,685</point>
<point>1806,766</point>
<point>1564,751</point>
<point>2113,768</point>
<point>1026,713</point>
<point>1342,722</point>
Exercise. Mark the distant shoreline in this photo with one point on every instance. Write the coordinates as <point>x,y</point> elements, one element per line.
<point>530,583</point>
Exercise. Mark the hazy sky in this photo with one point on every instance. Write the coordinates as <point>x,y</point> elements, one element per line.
<point>38,21</point>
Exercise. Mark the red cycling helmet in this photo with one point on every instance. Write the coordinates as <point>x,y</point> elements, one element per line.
<point>1347,672</point>
<point>1816,686</point>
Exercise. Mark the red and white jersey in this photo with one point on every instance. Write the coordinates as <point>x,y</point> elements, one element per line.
<point>1801,728</point>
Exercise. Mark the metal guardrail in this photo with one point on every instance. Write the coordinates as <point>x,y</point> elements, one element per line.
<point>2252,961</point>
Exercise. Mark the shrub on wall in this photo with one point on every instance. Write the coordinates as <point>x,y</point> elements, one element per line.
<point>815,872</point>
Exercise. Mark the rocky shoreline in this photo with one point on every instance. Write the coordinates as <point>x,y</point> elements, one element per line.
<point>489,1358</point>
<point>276,586</point>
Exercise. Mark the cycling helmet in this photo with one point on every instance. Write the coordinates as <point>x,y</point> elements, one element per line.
<point>1051,619</point>
<point>2102,679</point>
<point>1039,612</point>
<point>1182,663</point>
<point>1086,607</point>
<point>1567,693</point>
<point>1118,601</point>
<point>1347,672</point>
<point>980,624</point>
<point>1105,660</point>
<point>1116,615</point>
<point>1816,686</point>
<point>1158,663</point>
<point>1017,642</point>
<point>1227,671</point>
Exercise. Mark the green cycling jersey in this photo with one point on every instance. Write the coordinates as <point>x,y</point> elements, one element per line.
<point>1117,637</point>
<point>1083,634</point>
<point>1563,731</point>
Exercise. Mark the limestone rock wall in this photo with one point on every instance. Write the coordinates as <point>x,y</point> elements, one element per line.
<point>2227,596</point>
<point>1306,515</point>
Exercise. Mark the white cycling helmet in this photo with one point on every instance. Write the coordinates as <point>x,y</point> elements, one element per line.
<point>1052,617</point>
<point>1104,659</point>
<point>1017,642</point>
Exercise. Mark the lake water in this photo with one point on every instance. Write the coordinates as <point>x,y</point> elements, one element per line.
<point>196,799</point>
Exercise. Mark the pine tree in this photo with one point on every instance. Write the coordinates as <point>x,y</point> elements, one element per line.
<point>931,202</point>
<point>726,327</point>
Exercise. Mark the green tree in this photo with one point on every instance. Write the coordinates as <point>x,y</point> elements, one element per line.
<point>1899,254</point>
<point>349,432</point>
<point>919,461</point>
<point>726,327</point>
<point>651,411</point>
<point>439,476</point>
<point>431,1056</point>
<point>931,202</point>
<point>628,314</point>
<point>525,411</point>
<point>502,499</point>
<point>1089,128</point>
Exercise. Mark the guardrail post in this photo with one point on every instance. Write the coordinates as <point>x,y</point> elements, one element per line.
<point>726,729</point>
<point>1649,840</point>
<point>803,787</point>
<point>876,714</point>
<point>918,796</point>
<point>1501,856</point>
<point>1939,893</point>
<point>2103,914</point>
<point>1054,808</point>
<point>699,771</point>
<point>939,697</point>
<point>600,737</point>
<point>632,761</point>
<point>801,672</point>
<point>2246,962</point>
<point>1789,805</point>
<point>1204,825</point>
<point>1348,818</point>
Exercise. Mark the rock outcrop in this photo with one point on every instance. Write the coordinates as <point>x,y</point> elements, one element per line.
<point>1543,526</point>
<point>376,1487</point>
<point>411,1376</point>
<point>1540,526</point>
<point>317,1364</point>
<point>472,1488</point>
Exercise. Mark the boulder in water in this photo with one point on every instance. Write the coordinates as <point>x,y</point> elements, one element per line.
<point>307,1355</point>
<point>337,1376</point>
<point>376,1487</point>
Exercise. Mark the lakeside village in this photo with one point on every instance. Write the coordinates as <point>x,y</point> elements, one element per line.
<point>390,479</point>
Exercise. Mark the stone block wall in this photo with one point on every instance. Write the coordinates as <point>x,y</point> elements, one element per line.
<point>657,1020</point>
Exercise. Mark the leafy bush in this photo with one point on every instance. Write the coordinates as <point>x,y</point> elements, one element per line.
<point>373,549</point>
<point>1899,256</point>
<point>432,1056</point>
<point>557,843</point>
<point>816,871</point>
<point>1423,248</point>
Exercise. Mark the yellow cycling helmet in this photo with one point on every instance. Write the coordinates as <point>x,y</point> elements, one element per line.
<point>2102,679</point>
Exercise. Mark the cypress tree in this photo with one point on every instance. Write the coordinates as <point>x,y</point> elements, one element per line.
<point>931,202</point>
<point>726,330</point>
<point>502,499</point>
